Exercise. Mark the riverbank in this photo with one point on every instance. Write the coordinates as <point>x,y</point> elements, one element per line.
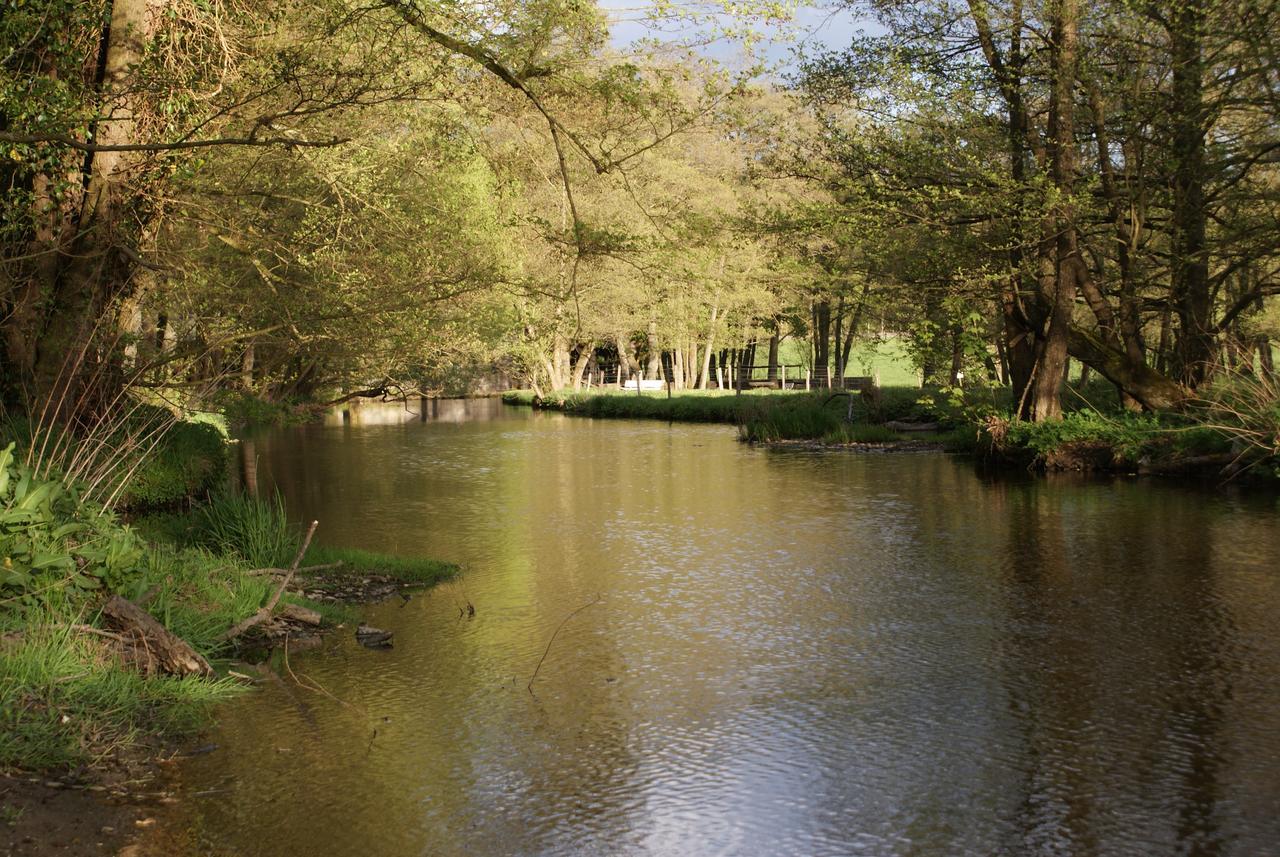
<point>116,643</point>
<point>1095,435</point>
<point>891,417</point>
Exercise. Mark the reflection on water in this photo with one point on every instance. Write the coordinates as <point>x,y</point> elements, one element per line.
<point>794,653</point>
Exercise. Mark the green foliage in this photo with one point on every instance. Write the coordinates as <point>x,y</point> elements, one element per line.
<point>246,410</point>
<point>62,701</point>
<point>189,460</point>
<point>254,529</point>
<point>1243,408</point>
<point>51,544</point>
<point>1129,439</point>
<point>802,418</point>
<point>407,568</point>
<point>1127,434</point>
<point>258,530</point>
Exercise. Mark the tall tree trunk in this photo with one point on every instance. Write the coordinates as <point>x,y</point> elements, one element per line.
<point>97,271</point>
<point>654,367</point>
<point>773,354</point>
<point>822,343</point>
<point>703,378</point>
<point>586,351</point>
<point>957,355</point>
<point>1018,343</point>
<point>627,363</point>
<point>1190,285</point>
<point>1062,275</point>
<point>838,372</point>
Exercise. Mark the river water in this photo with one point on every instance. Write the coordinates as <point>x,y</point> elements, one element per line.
<point>792,653</point>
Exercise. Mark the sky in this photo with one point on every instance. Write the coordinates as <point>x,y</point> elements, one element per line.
<point>817,26</point>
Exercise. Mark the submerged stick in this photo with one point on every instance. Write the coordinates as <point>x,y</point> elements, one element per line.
<point>265,613</point>
<point>554,634</point>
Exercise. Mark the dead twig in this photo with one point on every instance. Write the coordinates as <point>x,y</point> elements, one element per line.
<point>304,570</point>
<point>555,634</point>
<point>265,613</point>
<point>89,629</point>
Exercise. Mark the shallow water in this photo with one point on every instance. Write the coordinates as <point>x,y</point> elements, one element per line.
<point>793,653</point>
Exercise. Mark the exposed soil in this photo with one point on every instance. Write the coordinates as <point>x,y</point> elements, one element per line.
<point>99,812</point>
<point>345,588</point>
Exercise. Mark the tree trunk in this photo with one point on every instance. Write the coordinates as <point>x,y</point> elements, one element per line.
<point>957,356</point>
<point>773,354</point>
<point>654,367</point>
<point>1190,261</point>
<point>1154,390</point>
<point>97,273</point>
<point>703,378</point>
<point>627,363</point>
<point>585,352</point>
<point>559,364</point>
<point>157,647</point>
<point>1062,275</point>
<point>1266,360</point>
<point>822,343</point>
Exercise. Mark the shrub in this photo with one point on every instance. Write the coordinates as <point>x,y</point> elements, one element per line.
<point>254,529</point>
<point>188,461</point>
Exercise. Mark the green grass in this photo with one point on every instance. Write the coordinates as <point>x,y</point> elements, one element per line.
<point>63,701</point>
<point>189,460</point>
<point>259,531</point>
<point>255,529</point>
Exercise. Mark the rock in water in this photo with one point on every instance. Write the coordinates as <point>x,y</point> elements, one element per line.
<point>373,638</point>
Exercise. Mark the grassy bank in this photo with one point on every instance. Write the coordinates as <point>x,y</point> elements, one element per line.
<point>795,414</point>
<point>766,416</point>
<point>1233,428</point>
<point>68,695</point>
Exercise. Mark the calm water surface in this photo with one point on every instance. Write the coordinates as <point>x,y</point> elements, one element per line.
<point>793,653</point>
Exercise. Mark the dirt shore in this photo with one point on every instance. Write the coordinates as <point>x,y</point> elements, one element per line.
<point>41,816</point>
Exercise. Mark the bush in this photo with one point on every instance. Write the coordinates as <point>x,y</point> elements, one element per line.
<point>54,547</point>
<point>188,461</point>
<point>256,530</point>
<point>249,411</point>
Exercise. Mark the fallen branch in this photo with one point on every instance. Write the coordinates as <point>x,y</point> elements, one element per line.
<point>304,570</point>
<point>154,644</point>
<point>554,634</point>
<point>89,629</point>
<point>265,613</point>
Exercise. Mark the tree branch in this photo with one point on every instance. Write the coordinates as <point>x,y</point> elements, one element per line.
<point>81,146</point>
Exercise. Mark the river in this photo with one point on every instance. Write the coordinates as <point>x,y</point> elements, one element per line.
<point>792,653</point>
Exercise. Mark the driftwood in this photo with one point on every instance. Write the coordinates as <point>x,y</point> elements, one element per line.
<point>265,613</point>
<point>154,645</point>
<point>301,615</point>
<point>304,570</point>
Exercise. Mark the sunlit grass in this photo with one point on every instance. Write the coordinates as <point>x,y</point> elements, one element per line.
<point>65,699</point>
